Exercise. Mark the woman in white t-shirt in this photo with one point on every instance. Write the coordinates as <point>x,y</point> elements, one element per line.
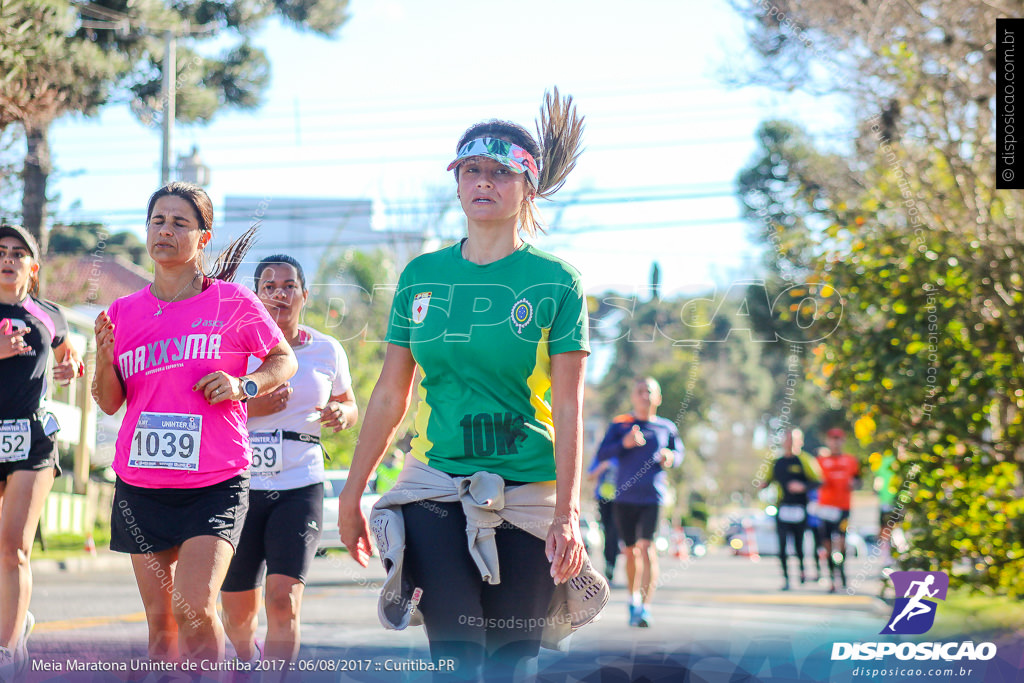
<point>286,490</point>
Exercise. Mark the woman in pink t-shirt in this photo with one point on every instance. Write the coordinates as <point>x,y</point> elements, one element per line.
<point>175,355</point>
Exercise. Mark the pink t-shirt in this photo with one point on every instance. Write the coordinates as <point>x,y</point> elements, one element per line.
<point>171,437</point>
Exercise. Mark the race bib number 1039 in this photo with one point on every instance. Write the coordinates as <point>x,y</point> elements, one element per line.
<point>167,441</point>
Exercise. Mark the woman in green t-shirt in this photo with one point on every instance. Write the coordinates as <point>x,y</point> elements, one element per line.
<point>498,330</point>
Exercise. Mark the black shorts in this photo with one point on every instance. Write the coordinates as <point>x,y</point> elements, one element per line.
<point>837,528</point>
<point>152,520</point>
<point>636,522</point>
<point>42,453</point>
<point>280,536</point>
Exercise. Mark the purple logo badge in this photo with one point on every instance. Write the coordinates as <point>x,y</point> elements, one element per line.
<point>916,593</point>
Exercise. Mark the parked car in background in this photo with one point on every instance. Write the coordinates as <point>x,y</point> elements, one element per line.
<point>697,540</point>
<point>334,482</point>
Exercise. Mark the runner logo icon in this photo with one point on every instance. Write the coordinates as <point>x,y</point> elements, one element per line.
<point>914,610</point>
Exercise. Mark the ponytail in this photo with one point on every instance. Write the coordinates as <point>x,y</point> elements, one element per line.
<point>559,134</point>
<point>233,255</point>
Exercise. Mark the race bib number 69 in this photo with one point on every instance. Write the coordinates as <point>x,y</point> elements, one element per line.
<point>167,441</point>
<point>266,453</point>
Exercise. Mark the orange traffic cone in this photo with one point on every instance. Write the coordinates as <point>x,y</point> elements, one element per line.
<point>682,549</point>
<point>90,545</point>
<point>751,544</point>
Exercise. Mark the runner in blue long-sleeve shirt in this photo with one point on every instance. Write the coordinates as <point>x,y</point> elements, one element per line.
<point>644,446</point>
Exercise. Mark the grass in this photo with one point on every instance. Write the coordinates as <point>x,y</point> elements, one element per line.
<point>64,546</point>
<point>963,613</point>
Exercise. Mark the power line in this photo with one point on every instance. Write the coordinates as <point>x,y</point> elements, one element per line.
<point>339,132</point>
<point>280,209</point>
<point>328,163</point>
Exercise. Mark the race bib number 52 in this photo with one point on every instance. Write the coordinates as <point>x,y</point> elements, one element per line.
<point>15,440</point>
<point>167,441</point>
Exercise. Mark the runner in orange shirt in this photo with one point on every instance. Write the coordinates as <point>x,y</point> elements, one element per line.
<point>840,475</point>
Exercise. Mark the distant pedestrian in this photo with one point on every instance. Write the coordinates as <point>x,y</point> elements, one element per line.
<point>814,527</point>
<point>644,446</point>
<point>840,477</point>
<point>886,485</point>
<point>795,474</point>
<point>388,471</point>
<point>603,474</point>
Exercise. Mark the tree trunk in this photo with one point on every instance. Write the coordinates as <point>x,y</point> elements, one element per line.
<point>35,174</point>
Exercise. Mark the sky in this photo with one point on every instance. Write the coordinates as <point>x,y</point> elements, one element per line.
<point>376,112</point>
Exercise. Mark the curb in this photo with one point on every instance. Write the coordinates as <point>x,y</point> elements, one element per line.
<point>101,563</point>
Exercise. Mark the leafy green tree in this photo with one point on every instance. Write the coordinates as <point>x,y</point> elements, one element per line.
<point>78,57</point>
<point>44,74</point>
<point>354,308</point>
<point>905,223</point>
<point>83,238</point>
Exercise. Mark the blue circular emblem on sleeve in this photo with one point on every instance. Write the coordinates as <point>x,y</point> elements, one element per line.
<point>522,314</point>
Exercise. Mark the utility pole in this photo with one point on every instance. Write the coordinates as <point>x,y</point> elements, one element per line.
<point>170,75</point>
<point>112,20</point>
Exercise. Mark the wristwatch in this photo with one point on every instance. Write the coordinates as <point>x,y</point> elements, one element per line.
<point>249,388</point>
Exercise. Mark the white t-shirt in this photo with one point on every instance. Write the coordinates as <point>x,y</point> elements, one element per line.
<point>280,464</point>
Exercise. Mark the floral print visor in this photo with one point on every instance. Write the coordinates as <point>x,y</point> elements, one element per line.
<point>505,153</point>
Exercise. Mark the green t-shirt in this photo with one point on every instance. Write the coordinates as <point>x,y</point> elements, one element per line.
<point>483,337</point>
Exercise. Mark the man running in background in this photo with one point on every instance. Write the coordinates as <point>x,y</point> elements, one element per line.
<point>840,474</point>
<point>644,445</point>
<point>796,475</point>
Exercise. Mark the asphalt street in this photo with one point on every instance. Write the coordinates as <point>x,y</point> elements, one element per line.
<point>710,615</point>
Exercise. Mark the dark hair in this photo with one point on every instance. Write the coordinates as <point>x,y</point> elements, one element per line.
<point>21,234</point>
<point>555,149</point>
<point>278,259</point>
<point>645,379</point>
<point>227,262</point>
<point>193,194</point>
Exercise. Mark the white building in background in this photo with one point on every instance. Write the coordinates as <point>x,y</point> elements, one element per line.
<point>313,231</point>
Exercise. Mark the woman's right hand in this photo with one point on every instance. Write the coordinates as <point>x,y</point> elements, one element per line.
<point>104,329</point>
<point>354,531</point>
<point>13,344</point>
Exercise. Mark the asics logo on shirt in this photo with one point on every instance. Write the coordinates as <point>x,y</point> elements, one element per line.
<point>171,350</point>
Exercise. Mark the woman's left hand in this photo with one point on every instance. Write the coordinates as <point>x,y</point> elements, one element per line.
<point>565,548</point>
<point>68,369</point>
<point>70,366</point>
<point>220,386</point>
<point>333,415</point>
